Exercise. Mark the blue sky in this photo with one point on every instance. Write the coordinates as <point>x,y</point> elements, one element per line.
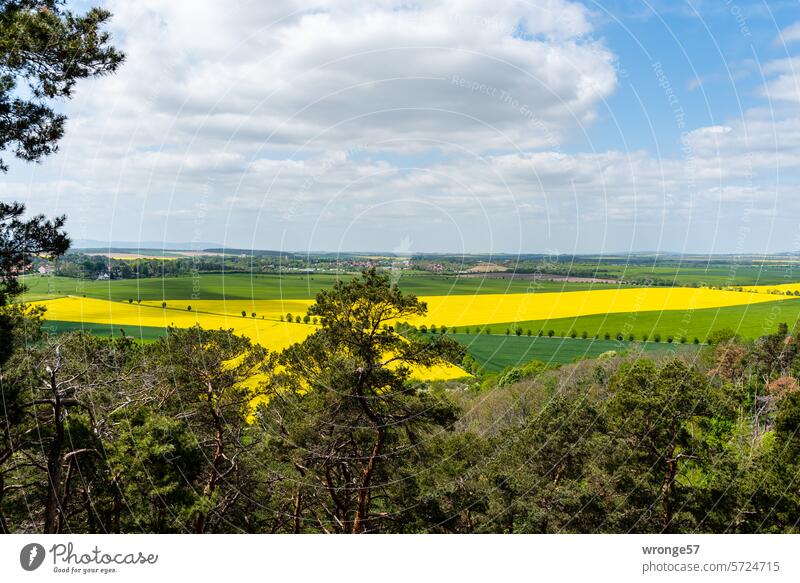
<point>709,50</point>
<point>552,126</point>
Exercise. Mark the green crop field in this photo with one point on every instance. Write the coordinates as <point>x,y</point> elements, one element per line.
<point>714,274</point>
<point>218,286</point>
<point>694,271</point>
<point>748,321</point>
<point>691,271</point>
<point>143,333</point>
<point>495,352</point>
<point>210,286</point>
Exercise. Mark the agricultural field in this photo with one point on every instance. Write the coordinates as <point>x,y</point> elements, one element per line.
<point>240,286</point>
<point>690,271</point>
<point>145,321</point>
<point>263,309</point>
<point>271,334</point>
<point>140,333</point>
<point>703,271</point>
<point>748,321</point>
<point>783,288</point>
<point>208,286</point>
<point>455,311</point>
<point>256,306</point>
<point>712,274</point>
<point>494,352</point>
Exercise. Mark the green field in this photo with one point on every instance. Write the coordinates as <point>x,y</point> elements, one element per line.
<point>748,321</point>
<point>713,274</point>
<point>143,333</point>
<point>240,286</point>
<point>495,351</point>
<point>692,270</point>
<point>217,286</point>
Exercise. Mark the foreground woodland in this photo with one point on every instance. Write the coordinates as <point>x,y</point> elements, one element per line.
<point>203,431</point>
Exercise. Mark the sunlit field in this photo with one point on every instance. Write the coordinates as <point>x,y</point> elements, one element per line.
<point>490,309</point>
<point>269,333</point>
<point>495,352</point>
<point>748,321</point>
<point>669,314</point>
<point>266,309</point>
<point>257,287</point>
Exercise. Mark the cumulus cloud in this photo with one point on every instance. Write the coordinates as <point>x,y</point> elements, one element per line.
<point>293,76</point>
<point>784,81</point>
<point>790,34</point>
<point>359,124</point>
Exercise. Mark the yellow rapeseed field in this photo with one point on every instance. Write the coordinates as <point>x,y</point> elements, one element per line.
<point>469,310</point>
<point>456,310</point>
<point>271,334</point>
<point>462,310</point>
<point>270,309</point>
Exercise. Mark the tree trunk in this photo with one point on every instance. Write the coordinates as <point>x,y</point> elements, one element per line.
<point>362,509</point>
<point>54,463</point>
<point>298,501</point>
<point>116,513</point>
<point>211,484</point>
<point>3,525</point>
<point>666,487</point>
<point>87,501</point>
<point>65,497</point>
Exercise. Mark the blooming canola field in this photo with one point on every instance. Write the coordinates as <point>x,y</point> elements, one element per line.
<point>497,308</point>
<point>477,309</point>
<point>269,333</point>
<point>269,329</point>
<point>269,309</point>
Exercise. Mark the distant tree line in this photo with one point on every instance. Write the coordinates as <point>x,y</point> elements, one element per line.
<point>94,266</point>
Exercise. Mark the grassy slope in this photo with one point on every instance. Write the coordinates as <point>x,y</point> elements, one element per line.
<point>749,321</point>
<point>495,352</point>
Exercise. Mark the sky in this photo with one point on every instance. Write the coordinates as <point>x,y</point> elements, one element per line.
<point>459,126</point>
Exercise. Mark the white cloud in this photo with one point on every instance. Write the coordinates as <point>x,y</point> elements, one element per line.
<point>784,84</point>
<point>292,76</point>
<point>359,124</point>
<point>790,34</point>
